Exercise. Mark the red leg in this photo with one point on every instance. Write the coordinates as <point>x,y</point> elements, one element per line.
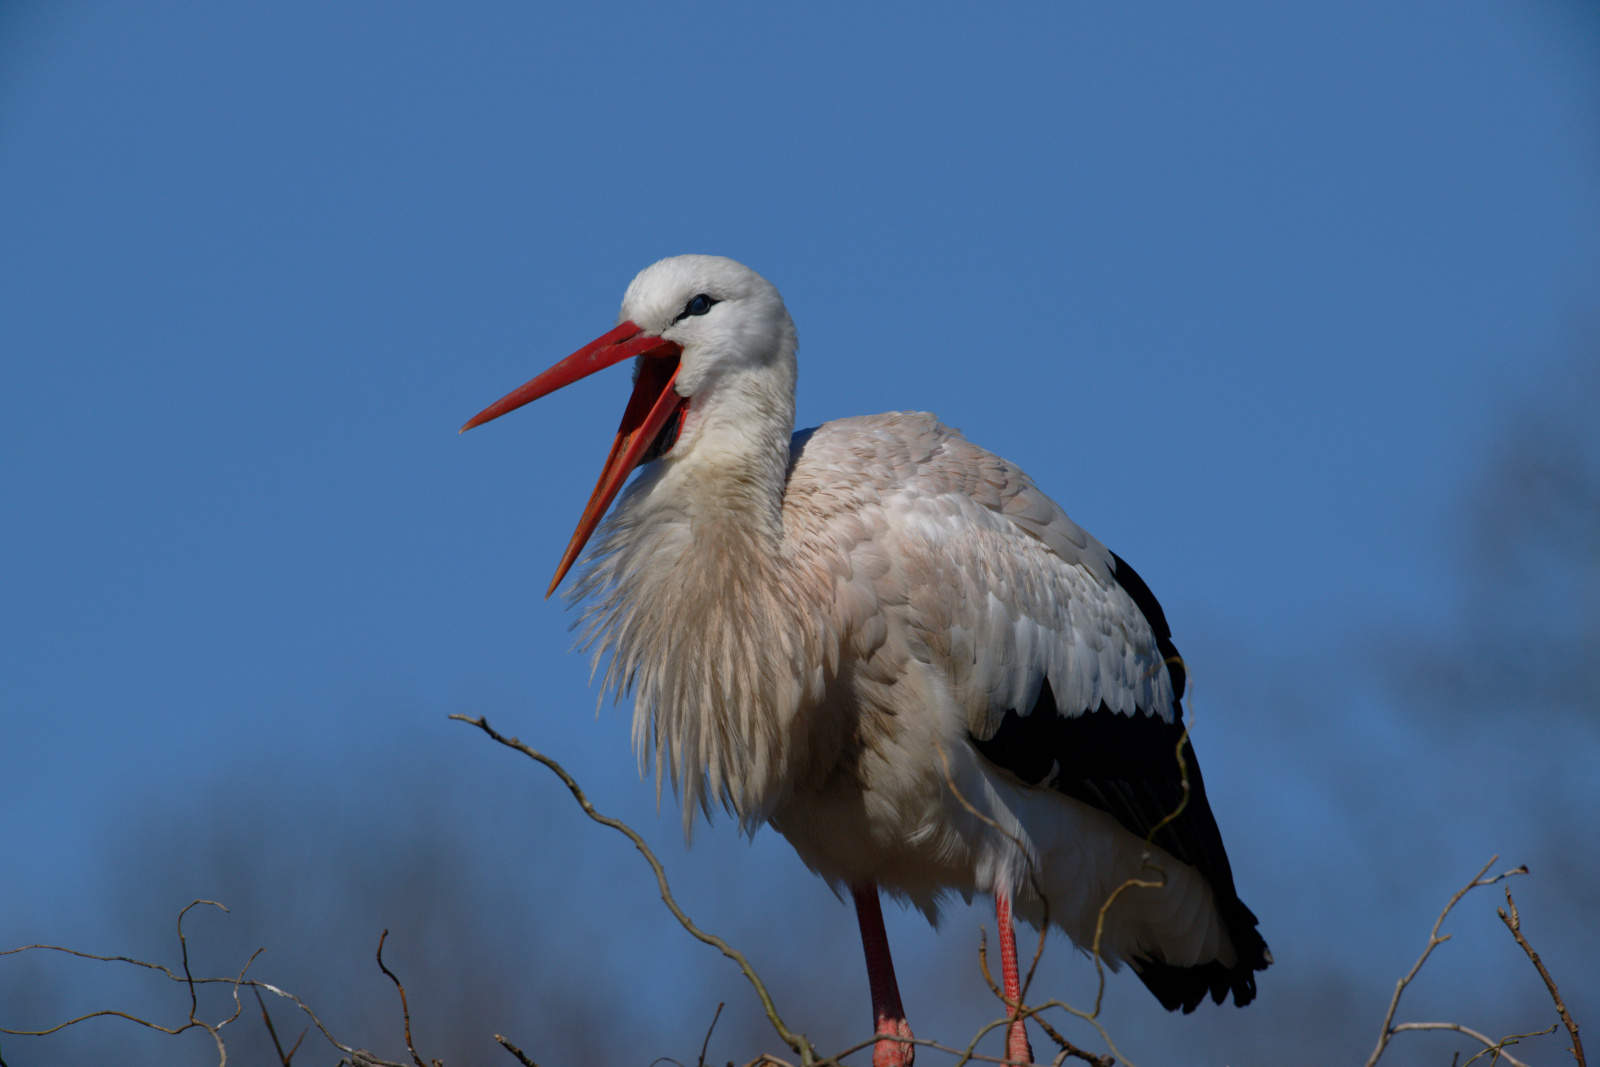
<point>888,1016</point>
<point>1017,1047</point>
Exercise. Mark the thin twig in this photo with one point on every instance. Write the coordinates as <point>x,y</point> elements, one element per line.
<point>766,1058</point>
<point>183,946</point>
<point>1497,1052</point>
<point>238,1010</point>
<point>971,809</point>
<point>1100,927</point>
<point>983,962</point>
<point>1514,924</point>
<point>1434,941</point>
<point>1069,1050</point>
<point>315,1021</point>
<point>96,1015</point>
<point>1490,1045</point>
<point>799,1042</point>
<point>405,1011</point>
<point>1183,764</point>
<point>707,1042</point>
<point>522,1057</point>
<point>1038,950</point>
<point>284,1058</point>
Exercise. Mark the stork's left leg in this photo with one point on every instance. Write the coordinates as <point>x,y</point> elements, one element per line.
<point>1017,1047</point>
<point>889,1018</point>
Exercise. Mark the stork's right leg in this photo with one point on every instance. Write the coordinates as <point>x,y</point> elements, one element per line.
<point>888,1016</point>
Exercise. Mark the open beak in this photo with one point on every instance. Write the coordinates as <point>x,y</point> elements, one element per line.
<point>651,407</point>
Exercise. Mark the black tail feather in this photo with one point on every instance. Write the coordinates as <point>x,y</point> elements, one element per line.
<point>1186,987</point>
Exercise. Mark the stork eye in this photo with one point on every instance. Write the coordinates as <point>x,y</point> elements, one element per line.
<point>698,306</point>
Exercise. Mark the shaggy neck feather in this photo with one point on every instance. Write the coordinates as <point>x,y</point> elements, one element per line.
<point>688,589</point>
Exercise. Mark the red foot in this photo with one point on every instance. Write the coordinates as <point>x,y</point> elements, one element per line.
<point>888,1053</point>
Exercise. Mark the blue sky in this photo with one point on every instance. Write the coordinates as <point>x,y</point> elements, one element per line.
<point>1247,291</point>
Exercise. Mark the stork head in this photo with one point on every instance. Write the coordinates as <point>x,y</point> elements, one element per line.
<point>714,352</point>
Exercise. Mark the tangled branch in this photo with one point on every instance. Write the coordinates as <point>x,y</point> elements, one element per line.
<point>1151,876</point>
<point>352,1056</point>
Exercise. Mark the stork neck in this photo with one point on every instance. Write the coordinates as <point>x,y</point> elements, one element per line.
<point>737,455</point>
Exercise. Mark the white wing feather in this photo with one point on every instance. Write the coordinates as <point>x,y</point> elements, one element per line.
<point>1001,589</point>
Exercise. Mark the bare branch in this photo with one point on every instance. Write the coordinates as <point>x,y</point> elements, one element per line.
<point>1434,941</point>
<point>106,959</point>
<point>521,1056</point>
<point>1038,950</point>
<point>96,1015</point>
<point>405,1010</point>
<point>799,1042</point>
<point>1514,924</point>
<point>707,1042</point>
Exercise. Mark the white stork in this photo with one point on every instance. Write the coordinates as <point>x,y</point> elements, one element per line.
<point>827,630</point>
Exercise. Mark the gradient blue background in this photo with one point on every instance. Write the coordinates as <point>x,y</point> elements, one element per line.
<point>1258,294</point>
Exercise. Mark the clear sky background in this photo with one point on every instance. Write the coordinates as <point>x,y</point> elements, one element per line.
<point>1269,298</point>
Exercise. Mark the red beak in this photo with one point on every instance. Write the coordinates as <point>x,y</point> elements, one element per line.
<point>653,403</point>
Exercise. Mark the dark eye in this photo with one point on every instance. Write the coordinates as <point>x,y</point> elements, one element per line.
<point>698,306</point>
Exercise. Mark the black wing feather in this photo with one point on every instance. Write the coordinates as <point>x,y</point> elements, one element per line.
<point>1127,766</point>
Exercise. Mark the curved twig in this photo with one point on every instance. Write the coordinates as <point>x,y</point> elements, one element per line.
<point>405,1009</point>
<point>799,1042</point>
